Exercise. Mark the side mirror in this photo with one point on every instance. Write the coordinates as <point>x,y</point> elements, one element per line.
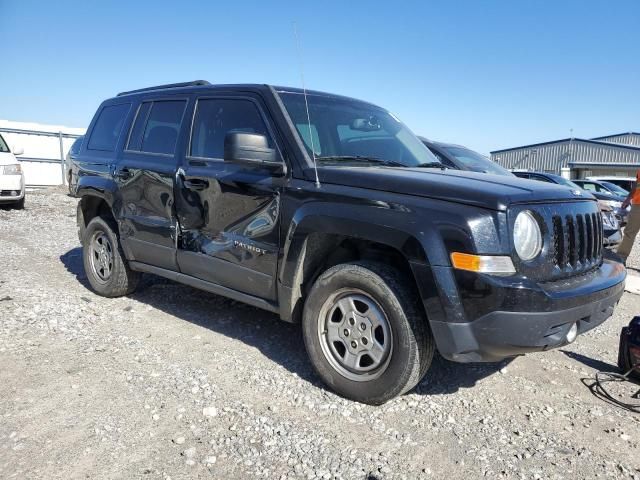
<point>250,148</point>
<point>17,150</point>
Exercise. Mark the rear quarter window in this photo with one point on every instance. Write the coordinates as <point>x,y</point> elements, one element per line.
<point>75,148</point>
<point>108,127</point>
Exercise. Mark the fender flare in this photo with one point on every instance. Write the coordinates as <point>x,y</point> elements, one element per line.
<point>340,220</point>
<point>90,188</point>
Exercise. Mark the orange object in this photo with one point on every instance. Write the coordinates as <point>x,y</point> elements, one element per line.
<point>465,261</point>
<point>635,198</point>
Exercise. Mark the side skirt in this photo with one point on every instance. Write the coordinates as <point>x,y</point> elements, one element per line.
<point>204,285</point>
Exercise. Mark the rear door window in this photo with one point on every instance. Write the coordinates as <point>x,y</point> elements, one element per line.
<point>107,128</point>
<point>157,127</point>
<point>135,137</point>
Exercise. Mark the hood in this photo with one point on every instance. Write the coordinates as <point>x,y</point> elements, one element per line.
<point>7,159</point>
<point>496,192</point>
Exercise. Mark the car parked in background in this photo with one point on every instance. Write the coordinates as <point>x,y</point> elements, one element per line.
<point>614,201</point>
<point>12,189</point>
<point>599,187</point>
<point>72,169</point>
<point>463,158</point>
<point>604,194</point>
<point>610,219</point>
<point>613,188</point>
<point>625,183</point>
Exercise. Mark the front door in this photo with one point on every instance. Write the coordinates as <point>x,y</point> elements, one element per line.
<point>145,174</point>
<point>228,213</point>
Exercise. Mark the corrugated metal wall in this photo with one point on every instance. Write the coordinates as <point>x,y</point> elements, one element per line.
<point>552,157</point>
<point>625,139</point>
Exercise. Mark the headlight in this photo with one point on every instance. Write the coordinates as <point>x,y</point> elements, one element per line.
<point>15,169</point>
<point>612,203</point>
<point>609,220</point>
<point>527,237</point>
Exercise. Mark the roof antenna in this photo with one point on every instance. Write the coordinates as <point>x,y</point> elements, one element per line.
<point>306,104</point>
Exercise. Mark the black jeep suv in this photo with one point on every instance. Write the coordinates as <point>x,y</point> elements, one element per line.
<point>381,254</point>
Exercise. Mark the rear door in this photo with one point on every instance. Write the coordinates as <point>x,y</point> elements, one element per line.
<point>229,213</point>
<point>145,175</point>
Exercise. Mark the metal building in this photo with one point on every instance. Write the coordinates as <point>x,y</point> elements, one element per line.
<point>617,155</point>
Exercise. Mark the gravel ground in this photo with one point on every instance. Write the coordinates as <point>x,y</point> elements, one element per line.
<point>176,383</point>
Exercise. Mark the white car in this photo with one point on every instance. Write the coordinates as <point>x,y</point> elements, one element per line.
<point>11,176</point>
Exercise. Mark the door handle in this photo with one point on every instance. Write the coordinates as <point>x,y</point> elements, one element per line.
<point>122,173</point>
<point>195,184</point>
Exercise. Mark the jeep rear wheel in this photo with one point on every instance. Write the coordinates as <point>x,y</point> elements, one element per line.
<point>365,332</point>
<point>104,262</point>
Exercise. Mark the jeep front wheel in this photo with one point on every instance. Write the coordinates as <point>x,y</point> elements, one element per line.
<point>104,261</point>
<point>365,332</point>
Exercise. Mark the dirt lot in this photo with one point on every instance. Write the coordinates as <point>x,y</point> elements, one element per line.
<point>176,383</point>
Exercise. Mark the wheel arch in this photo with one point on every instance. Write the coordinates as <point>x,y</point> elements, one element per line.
<point>315,243</point>
<point>92,204</point>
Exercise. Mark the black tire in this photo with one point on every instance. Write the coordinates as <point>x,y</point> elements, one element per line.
<point>71,188</point>
<point>412,343</point>
<point>120,280</point>
<point>19,205</point>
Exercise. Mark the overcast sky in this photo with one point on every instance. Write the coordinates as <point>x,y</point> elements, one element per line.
<point>486,74</point>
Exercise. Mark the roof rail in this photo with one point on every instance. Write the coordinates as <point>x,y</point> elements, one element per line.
<point>169,85</point>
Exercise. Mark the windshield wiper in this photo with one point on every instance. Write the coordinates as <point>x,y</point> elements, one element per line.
<point>361,158</point>
<point>432,165</point>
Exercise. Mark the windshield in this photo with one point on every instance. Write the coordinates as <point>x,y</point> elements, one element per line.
<point>615,188</point>
<point>3,146</point>
<point>476,162</point>
<point>345,131</point>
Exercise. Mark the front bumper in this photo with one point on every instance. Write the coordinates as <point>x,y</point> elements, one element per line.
<point>530,317</point>
<point>11,188</point>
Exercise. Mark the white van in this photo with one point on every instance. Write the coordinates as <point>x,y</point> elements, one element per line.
<point>11,176</point>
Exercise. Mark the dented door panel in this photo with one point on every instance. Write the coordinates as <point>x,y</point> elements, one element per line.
<point>228,216</point>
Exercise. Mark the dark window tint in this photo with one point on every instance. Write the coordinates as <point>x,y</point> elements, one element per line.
<point>108,127</point>
<point>475,162</point>
<point>135,137</point>
<point>3,146</point>
<point>217,117</point>
<point>540,178</point>
<point>163,126</point>
<point>444,160</point>
<point>350,128</point>
<point>75,147</point>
